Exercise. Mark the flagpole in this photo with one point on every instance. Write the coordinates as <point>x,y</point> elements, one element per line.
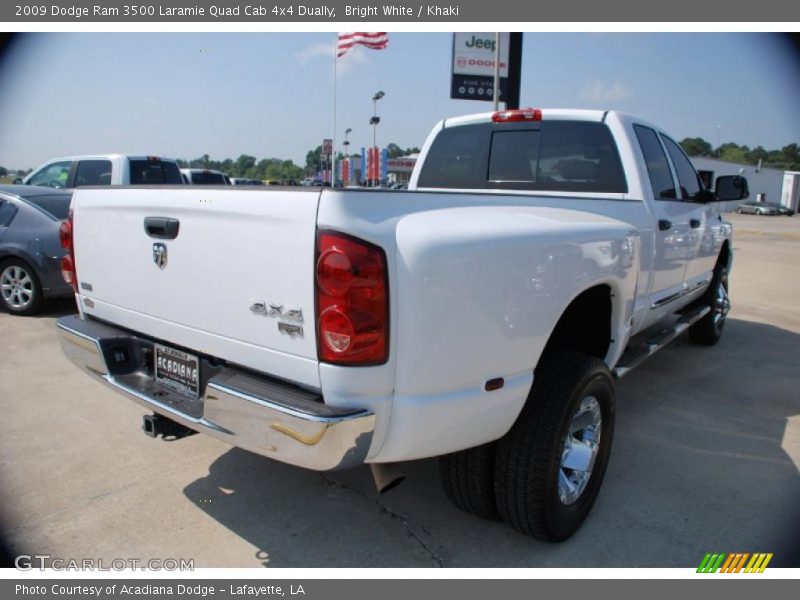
<point>496,81</point>
<point>333,138</point>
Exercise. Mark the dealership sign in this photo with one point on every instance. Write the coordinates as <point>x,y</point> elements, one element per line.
<point>401,165</point>
<point>473,66</point>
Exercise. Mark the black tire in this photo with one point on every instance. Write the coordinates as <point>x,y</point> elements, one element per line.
<point>528,465</point>
<point>468,480</point>
<point>708,330</point>
<point>19,270</point>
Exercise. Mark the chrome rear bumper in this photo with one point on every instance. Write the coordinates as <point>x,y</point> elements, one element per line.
<point>259,414</point>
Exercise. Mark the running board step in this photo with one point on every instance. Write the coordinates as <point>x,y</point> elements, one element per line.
<point>638,353</point>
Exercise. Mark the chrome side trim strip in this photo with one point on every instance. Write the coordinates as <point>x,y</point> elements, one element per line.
<point>681,294</point>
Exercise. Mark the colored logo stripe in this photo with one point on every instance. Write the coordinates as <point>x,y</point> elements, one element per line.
<point>734,562</point>
<point>758,563</point>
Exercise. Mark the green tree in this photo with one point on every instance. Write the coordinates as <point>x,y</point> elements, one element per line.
<point>395,151</point>
<point>3,171</point>
<point>243,164</point>
<point>313,158</point>
<point>697,146</point>
<point>733,152</point>
<point>791,154</point>
<point>202,162</point>
<point>757,154</point>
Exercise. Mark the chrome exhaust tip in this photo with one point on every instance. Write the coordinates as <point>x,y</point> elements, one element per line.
<point>387,476</point>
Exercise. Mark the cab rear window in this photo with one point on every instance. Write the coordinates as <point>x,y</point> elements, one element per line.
<point>564,156</point>
<point>154,172</point>
<point>206,178</point>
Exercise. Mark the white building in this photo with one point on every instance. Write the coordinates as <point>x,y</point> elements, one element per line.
<point>766,184</point>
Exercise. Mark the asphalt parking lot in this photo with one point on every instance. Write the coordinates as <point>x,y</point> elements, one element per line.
<point>706,458</point>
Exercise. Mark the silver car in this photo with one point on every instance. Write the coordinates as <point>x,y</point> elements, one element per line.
<point>756,208</point>
<point>30,249</point>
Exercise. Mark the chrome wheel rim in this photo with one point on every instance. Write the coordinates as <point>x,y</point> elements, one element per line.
<point>16,287</point>
<point>722,305</point>
<point>579,451</point>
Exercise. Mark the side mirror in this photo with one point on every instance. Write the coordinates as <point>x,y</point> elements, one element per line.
<point>731,187</point>
<point>17,181</point>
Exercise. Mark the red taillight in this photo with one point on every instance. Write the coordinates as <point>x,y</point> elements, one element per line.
<point>352,301</point>
<point>65,235</point>
<point>334,272</point>
<point>523,114</point>
<point>68,261</point>
<point>68,271</point>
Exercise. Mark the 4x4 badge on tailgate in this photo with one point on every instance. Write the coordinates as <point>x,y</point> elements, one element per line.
<point>160,255</point>
<point>289,321</point>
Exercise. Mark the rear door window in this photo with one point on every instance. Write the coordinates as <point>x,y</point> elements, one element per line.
<point>154,172</point>
<point>657,164</point>
<point>93,172</point>
<point>568,156</point>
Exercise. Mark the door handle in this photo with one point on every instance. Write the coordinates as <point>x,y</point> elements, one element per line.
<point>695,223</point>
<point>161,228</point>
<point>664,225</point>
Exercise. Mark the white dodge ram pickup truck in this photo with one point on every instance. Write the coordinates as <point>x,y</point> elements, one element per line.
<point>482,316</point>
<point>104,169</point>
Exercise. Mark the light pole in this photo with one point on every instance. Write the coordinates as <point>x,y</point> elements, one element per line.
<point>346,145</point>
<point>374,122</point>
<point>375,118</point>
<point>346,142</point>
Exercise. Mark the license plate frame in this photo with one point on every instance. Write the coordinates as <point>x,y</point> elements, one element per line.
<point>177,370</point>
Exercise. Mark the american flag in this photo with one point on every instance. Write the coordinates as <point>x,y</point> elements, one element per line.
<point>374,40</point>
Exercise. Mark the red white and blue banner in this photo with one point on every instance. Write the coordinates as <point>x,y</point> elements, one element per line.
<point>344,171</point>
<point>374,164</point>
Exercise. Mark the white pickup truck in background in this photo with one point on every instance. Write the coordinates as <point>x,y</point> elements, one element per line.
<point>482,316</point>
<point>104,169</point>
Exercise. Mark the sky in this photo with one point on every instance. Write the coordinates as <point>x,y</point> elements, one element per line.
<point>183,95</point>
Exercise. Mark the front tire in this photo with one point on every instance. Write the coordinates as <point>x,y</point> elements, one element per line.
<point>708,330</point>
<point>20,290</point>
<point>551,464</point>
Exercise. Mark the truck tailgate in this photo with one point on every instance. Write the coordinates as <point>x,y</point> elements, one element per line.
<point>236,282</point>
